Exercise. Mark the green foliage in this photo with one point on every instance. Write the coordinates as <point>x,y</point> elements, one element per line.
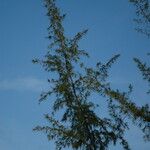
<point>143,20</point>
<point>145,70</point>
<point>73,85</point>
<point>139,115</point>
<point>143,16</point>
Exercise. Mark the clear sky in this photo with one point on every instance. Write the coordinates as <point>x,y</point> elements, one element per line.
<point>23,26</point>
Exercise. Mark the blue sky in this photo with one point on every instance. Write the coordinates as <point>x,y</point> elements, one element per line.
<point>22,37</point>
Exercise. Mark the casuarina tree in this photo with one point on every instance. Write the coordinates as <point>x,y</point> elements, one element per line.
<point>73,86</point>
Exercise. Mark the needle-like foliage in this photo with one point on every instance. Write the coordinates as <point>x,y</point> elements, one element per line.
<point>73,85</point>
<point>143,16</point>
<point>145,70</point>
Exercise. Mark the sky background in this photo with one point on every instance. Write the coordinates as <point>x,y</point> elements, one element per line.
<point>23,25</point>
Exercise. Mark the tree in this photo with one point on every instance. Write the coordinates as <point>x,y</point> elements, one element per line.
<point>73,85</point>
